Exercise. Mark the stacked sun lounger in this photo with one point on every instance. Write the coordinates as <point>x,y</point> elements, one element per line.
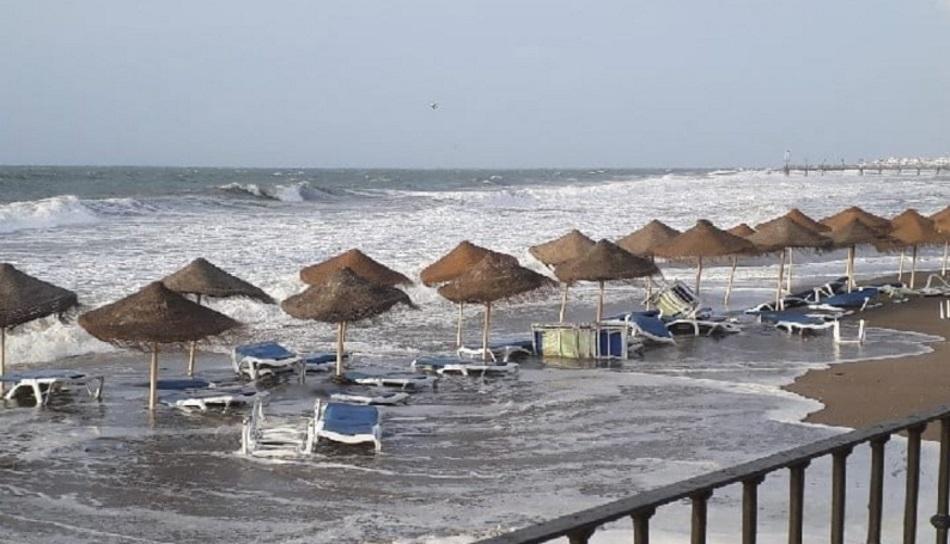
<point>454,365</point>
<point>804,298</point>
<point>265,359</point>
<point>44,384</point>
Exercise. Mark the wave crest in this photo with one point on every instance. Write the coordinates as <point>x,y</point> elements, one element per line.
<point>301,191</point>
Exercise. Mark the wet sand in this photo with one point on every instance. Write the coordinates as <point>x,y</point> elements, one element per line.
<point>863,393</point>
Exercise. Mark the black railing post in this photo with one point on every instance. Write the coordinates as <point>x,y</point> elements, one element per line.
<point>796,502</point>
<point>750,509</point>
<point>641,526</point>
<point>940,520</point>
<point>839,471</point>
<point>698,527</point>
<point>876,489</point>
<point>912,489</point>
<point>580,536</point>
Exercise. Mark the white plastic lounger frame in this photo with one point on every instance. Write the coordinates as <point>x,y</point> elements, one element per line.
<point>223,400</point>
<point>944,309</point>
<point>505,351</point>
<point>255,368</point>
<point>464,368</point>
<point>711,327</point>
<point>792,327</point>
<point>386,399</point>
<point>320,432</point>
<point>862,334</point>
<point>289,439</point>
<point>45,387</point>
<point>931,290</point>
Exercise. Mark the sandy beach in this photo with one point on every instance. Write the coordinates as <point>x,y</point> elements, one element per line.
<point>862,393</point>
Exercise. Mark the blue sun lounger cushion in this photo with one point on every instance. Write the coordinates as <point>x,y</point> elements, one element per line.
<point>349,424</point>
<point>855,300</point>
<point>649,326</point>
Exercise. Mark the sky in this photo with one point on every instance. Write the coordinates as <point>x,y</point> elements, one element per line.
<point>518,83</point>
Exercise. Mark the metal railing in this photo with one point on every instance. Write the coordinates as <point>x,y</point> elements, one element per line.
<point>580,526</point>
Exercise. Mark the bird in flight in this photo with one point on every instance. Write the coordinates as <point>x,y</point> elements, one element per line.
<point>434,105</point>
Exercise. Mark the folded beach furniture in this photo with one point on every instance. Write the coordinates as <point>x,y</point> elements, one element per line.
<point>646,325</point>
<point>501,351</point>
<point>805,297</point>
<point>857,300</point>
<point>605,340</point>
<point>370,397</point>
<point>936,286</point>
<point>270,436</point>
<point>270,358</point>
<point>401,380</point>
<point>348,424</point>
<point>682,312</point>
<point>453,365</point>
<point>204,400</point>
<point>796,322</point>
<point>43,384</point>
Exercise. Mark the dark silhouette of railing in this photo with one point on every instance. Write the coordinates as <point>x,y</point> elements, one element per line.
<point>578,527</point>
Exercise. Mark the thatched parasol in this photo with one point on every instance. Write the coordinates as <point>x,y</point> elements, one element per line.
<point>912,229</point>
<point>605,261</point>
<point>201,278</point>
<point>358,263</point>
<point>781,234</point>
<point>704,240</point>
<point>648,238</point>
<point>941,220</point>
<point>851,234</point>
<point>452,265</point>
<point>841,218</point>
<point>342,297</point>
<point>24,298</point>
<point>799,217</point>
<point>741,230</point>
<point>572,245</point>
<point>152,316</point>
<point>494,278</point>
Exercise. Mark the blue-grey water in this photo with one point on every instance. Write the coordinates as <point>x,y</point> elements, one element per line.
<point>469,458</point>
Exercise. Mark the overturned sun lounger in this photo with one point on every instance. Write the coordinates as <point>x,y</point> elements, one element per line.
<point>207,399</point>
<point>381,398</point>
<point>269,436</point>
<point>450,365</point>
<point>804,298</point>
<point>43,384</point>
<point>501,351</point>
<point>265,359</point>
<point>682,312</point>
<point>844,303</point>
<point>402,380</point>
<point>796,322</point>
<point>646,325</point>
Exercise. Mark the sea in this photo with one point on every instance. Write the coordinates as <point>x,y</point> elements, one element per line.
<point>470,458</point>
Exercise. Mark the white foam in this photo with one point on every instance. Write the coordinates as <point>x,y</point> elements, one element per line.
<point>46,213</point>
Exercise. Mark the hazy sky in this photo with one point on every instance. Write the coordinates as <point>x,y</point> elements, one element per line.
<point>519,83</point>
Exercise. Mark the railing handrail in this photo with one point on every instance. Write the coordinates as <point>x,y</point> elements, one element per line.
<point>648,501</point>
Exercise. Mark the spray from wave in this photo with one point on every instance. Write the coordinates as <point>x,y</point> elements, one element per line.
<point>64,211</point>
<point>296,192</point>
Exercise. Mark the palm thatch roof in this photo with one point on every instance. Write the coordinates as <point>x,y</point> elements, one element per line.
<point>456,262</point>
<point>913,229</point>
<point>494,278</point>
<point>358,263</point>
<point>154,315</point>
<point>645,240</point>
<point>563,249</point>
<point>200,277</point>
<point>841,218</point>
<point>705,240</point>
<point>853,233</point>
<point>24,298</point>
<point>605,261</point>
<point>783,232</point>
<point>344,296</point>
<point>942,219</point>
<point>741,230</point>
<point>799,217</point>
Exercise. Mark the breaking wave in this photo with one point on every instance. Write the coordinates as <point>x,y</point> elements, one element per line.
<point>296,192</point>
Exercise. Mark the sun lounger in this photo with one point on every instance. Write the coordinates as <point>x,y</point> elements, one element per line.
<point>401,380</point>
<point>796,322</point>
<point>859,339</point>
<point>683,313</point>
<point>936,286</point>
<point>348,424</point>
<point>206,399</point>
<point>277,436</point>
<point>605,340</point>
<point>180,384</point>
<point>501,351</point>
<point>383,398</point>
<point>451,365</point>
<point>857,300</point>
<point>804,298</point>
<point>646,325</point>
<point>43,384</point>
<point>265,359</point>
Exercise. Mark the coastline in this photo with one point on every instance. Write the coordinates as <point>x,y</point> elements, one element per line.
<point>861,393</point>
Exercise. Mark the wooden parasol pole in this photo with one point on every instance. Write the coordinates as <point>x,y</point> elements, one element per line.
<point>946,256</point>
<point>788,280</point>
<point>458,330</point>
<point>191,352</point>
<point>3,355</point>
<point>732,276</point>
<point>778,289</point>
<point>699,273</point>
<point>649,292</point>
<point>563,304</point>
<point>913,267</point>
<point>600,303</point>
<point>850,269</point>
<point>153,378</point>
<point>340,331</point>
<point>900,270</point>
<point>485,331</point>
